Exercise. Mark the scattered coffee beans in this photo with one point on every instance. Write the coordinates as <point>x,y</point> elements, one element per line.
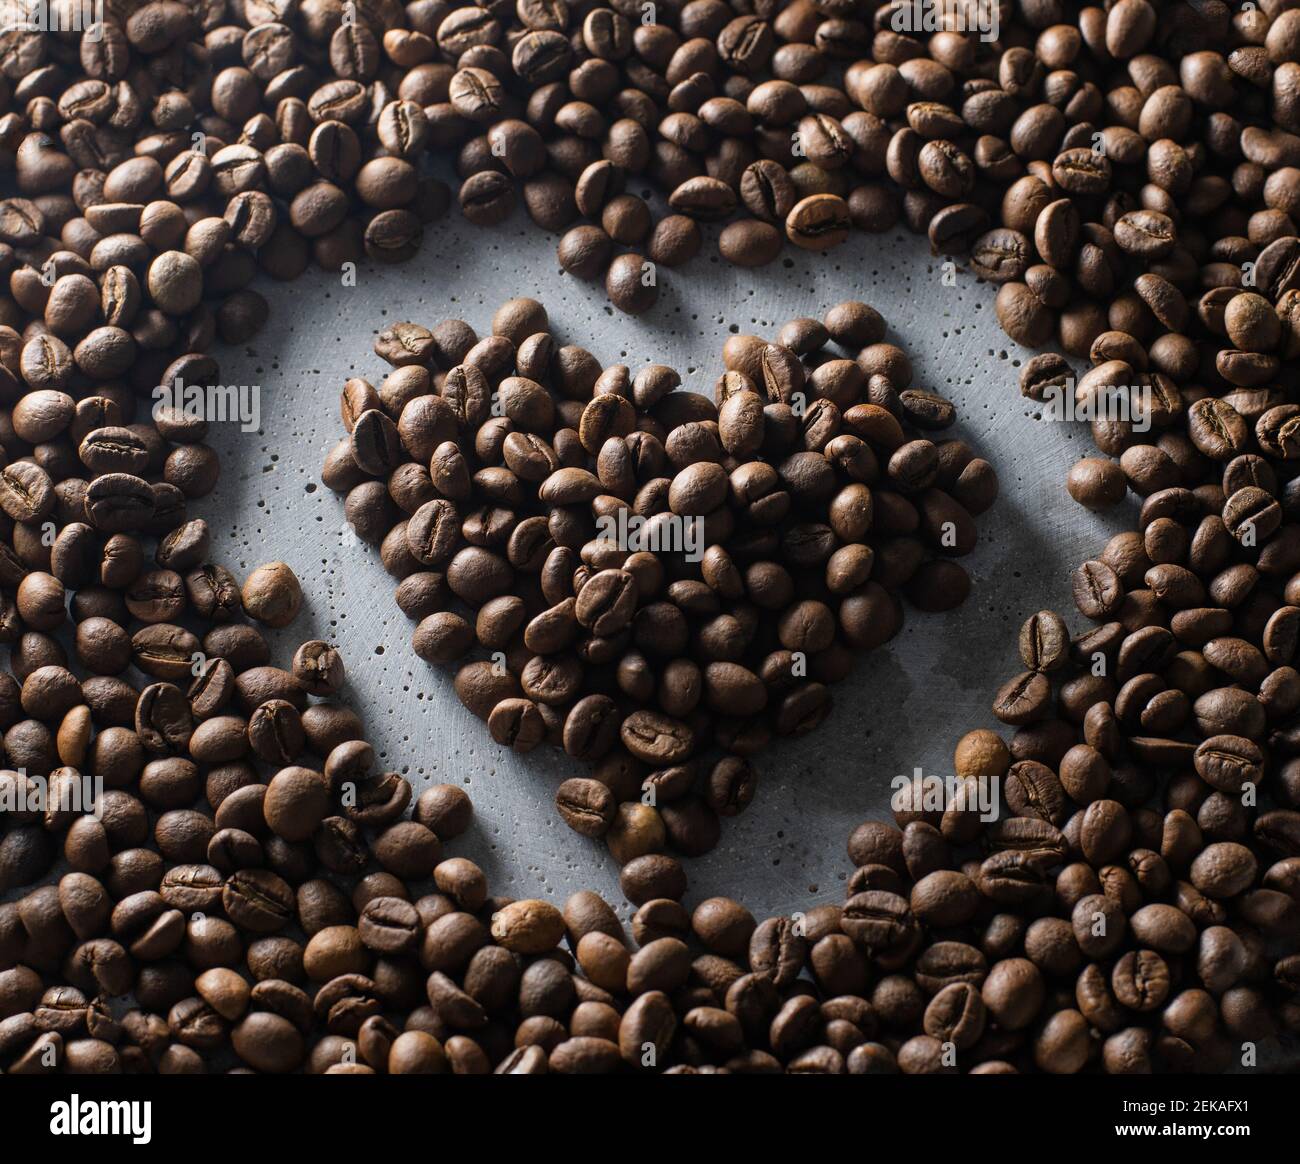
<point>1115,889</point>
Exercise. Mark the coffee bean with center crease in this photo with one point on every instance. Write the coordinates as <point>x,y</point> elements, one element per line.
<point>376,446</point>
<point>606,602</point>
<point>656,738</point>
<point>487,198</point>
<point>118,503</point>
<point>818,222</point>
<point>591,727</point>
<point>163,720</point>
<point>257,900</point>
<point>432,531</point>
<point>703,198</point>
<point>767,192</point>
<point>586,806</point>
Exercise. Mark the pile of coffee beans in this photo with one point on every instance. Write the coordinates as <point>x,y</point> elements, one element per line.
<point>303,924</point>
<point>117,279</point>
<point>1101,165</point>
<point>1155,795</point>
<point>1117,888</point>
<point>143,699</point>
<point>655,577</point>
<point>248,894</point>
<point>295,133</point>
<point>189,145</point>
<point>186,865</point>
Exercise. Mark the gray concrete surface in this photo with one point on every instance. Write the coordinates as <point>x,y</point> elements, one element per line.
<point>904,707</point>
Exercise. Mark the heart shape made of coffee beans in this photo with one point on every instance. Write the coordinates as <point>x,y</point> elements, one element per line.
<point>652,580</point>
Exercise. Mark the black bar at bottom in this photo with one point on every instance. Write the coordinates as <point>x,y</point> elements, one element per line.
<point>939,1113</point>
